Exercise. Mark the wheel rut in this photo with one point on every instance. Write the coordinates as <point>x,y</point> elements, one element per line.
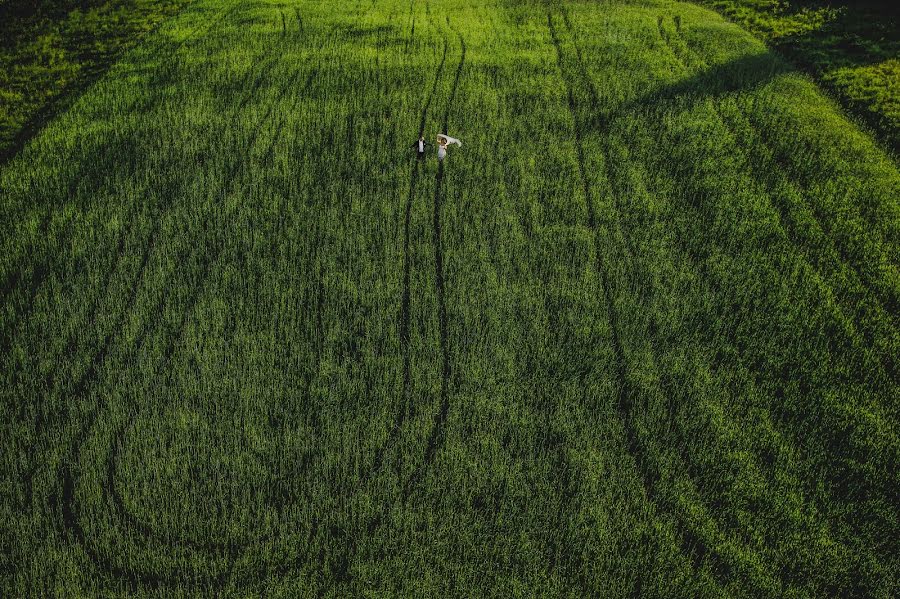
<point>40,270</point>
<point>436,436</point>
<point>404,333</point>
<point>691,545</point>
<point>69,507</point>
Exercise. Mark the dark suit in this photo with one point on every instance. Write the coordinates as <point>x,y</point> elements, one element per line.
<point>420,149</point>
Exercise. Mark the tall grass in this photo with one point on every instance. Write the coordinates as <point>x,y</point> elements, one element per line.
<point>637,336</point>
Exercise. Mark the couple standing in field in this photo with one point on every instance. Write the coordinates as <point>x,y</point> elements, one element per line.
<point>442,140</point>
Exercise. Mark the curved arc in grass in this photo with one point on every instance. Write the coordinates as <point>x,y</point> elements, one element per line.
<point>232,550</point>
<point>406,402</point>
<point>691,545</point>
<point>809,263</point>
<point>436,435</point>
<point>780,574</point>
<point>147,530</point>
<point>67,499</point>
<point>99,357</point>
<point>886,363</point>
<point>40,271</point>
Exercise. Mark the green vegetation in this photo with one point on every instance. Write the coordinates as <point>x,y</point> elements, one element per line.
<point>50,51</point>
<point>851,46</point>
<point>637,337</point>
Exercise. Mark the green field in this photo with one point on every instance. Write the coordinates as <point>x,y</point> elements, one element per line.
<point>637,337</point>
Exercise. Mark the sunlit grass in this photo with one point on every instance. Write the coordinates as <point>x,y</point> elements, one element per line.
<point>638,336</point>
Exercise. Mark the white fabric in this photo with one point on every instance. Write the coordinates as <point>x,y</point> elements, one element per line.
<point>421,146</point>
<point>449,140</point>
<point>442,152</point>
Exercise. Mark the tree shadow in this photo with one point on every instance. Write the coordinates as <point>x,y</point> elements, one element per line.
<point>741,74</point>
<point>851,35</point>
<point>858,33</point>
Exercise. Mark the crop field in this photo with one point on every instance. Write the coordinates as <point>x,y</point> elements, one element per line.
<point>638,336</point>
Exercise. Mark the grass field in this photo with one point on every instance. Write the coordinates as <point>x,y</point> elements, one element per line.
<point>851,46</point>
<point>637,337</point>
<point>51,50</point>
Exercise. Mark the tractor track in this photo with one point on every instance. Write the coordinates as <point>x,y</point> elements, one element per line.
<point>784,218</point>
<point>406,402</point>
<point>412,27</point>
<point>691,545</point>
<point>870,305</point>
<point>886,362</point>
<point>41,270</point>
<point>780,160</point>
<point>230,549</point>
<point>98,359</point>
<point>69,507</point>
<point>406,407</point>
<point>437,433</point>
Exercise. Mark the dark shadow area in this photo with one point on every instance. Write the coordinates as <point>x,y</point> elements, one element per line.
<point>743,74</point>
<point>850,46</point>
<point>52,51</point>
<point>856,33</point>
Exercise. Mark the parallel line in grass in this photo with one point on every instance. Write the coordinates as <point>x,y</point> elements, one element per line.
<point>810,485</point>
<point>886,362</point>
<point>692,545</point>
<point>563,462</point>
<point>623,388</point>
<point>405,404</point>
<point>41,270</point>
<point>782,574</point>
<point>778,577</point>
<point>68,501</point>
<point>436,436</point>
<point>412,27</point>
<point>406,407</point>
<point>69,505</point>
<point>230,549</point>
<point>99,356</point>
<point>233,551</point>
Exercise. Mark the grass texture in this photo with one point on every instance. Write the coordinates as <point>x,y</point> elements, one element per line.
<point>52,50</point>
<point>852,47</point>
<point>637,337</point>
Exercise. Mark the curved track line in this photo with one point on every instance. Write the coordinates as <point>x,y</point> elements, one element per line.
<point>802,255</point>
<point>406,403</point>
<point>412,28</point>
<point>436,436</point>
<point>69,504</point>
<point>118,502</point>
<point>887,363</point>
<point>720,566</point>
<point>99,357</point>
<point>146,529</point>
<point>691,544</point>
<point>41,270</point>
<point>232,550</point>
